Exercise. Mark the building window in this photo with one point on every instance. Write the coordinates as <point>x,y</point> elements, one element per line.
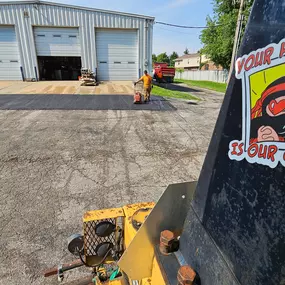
<point>57,36</point>
<point>41,36</point>
<point>72,36</point>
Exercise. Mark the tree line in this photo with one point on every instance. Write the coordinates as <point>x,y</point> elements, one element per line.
<point>218,37</point>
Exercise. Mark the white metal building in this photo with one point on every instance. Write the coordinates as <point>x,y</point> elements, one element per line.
<point>50,41</point>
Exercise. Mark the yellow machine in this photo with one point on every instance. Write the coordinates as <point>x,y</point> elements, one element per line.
<point>111,231</point>
<point>117,243</point>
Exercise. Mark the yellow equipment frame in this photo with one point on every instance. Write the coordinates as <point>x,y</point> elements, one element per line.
<point>127,213</point>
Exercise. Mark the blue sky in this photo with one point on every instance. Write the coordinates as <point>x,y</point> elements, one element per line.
<point>166,39</point>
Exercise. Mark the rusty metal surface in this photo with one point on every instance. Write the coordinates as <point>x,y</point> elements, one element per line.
<point>168,214</point>
<point>103,214</point>
<point>166,236</point>
<point>166,241</point>
<point>129,211</point>
<point>186,275</point>
<point>65,267</point>
<point>198,250</point>
<point>137,213</point>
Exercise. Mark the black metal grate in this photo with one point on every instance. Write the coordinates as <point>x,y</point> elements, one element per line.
<point>91,240</point>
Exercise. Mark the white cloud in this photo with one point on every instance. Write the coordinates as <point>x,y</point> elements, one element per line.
<point>178,3</point>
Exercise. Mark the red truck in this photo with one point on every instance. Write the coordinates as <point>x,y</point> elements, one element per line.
<point>163,73</point>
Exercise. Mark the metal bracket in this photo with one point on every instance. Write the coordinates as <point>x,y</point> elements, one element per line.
<point>60,275</point>
<point>169,213</point>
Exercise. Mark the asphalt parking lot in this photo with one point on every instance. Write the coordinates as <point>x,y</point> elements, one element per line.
<point>57,164</point>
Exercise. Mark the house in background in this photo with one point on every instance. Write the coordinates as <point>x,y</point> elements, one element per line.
<point>195,61</point>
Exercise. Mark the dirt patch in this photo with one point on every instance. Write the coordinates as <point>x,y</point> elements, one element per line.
<point>64,87</point>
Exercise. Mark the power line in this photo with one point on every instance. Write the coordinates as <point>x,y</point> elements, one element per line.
<point>179,32</point>
<point>182,26</point>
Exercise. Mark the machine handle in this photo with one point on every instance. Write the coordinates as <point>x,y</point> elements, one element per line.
<point>50,272</point>
<point>64,267</point>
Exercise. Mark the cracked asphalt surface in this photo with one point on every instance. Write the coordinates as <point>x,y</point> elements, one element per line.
<point>55,165</point>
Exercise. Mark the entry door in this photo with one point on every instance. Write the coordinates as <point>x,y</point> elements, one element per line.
<point>60,42</point>
<point>117,54</point>
<point>9,55</point>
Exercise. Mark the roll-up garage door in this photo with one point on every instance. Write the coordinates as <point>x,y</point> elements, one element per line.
<point>57,41</point>
<point>9,55</point>
<point>117,54</point>
<point>58,52</point>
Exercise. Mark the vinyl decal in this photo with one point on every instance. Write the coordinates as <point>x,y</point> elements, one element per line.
<point>262,73</point>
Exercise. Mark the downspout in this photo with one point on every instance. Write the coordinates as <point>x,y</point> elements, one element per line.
<point>146,44</point>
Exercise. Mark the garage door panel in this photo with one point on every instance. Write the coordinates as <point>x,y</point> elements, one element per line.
<point>9,55</point>
<point>115,50</point>
<point>117,43</point>
<point>57,41</point>
<point>118,58</point>
<point>8,71</point>
<point>116,67</point>
<point>117,54</point>
<point>58,50</point>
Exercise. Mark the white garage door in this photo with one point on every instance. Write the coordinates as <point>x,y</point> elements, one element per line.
<point>9,55</point>
<point>57,41</point>
<point>117,54</point>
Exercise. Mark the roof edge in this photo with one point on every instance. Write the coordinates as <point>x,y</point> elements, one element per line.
<point>190,55</point>
<point>75,7</point>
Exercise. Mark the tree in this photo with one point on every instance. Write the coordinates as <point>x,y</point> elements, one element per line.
<point>154,58</point>
<point>186,51</point>
<point>218,37</point>
<point>172,58</point>
<point>163,57</point>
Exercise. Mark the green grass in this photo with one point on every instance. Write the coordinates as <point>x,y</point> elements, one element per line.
<point>159,91</point>
<point>220,87</point>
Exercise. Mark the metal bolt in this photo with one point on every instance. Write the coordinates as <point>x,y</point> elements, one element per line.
<point>166,237</point>
<point>166,241</point>
<point>186,275</point>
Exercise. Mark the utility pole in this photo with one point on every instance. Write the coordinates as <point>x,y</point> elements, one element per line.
<point>238,30</point>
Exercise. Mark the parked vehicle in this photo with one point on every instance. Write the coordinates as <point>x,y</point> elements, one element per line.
<point>163,73</point>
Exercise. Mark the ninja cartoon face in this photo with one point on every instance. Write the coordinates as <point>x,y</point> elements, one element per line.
<point>268,114</point>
